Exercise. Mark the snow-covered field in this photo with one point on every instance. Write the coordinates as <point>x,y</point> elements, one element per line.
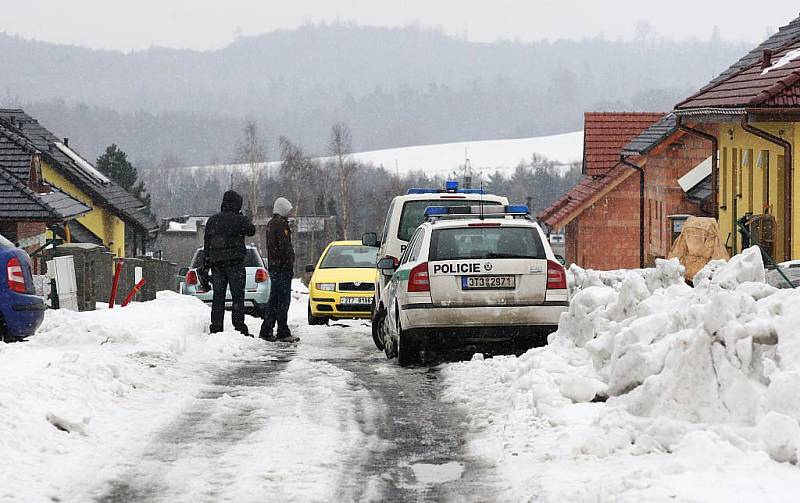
<point>649,391</point>
<point>444,158</point>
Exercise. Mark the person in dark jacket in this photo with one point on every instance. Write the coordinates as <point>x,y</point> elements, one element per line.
<point>280,255</point>
<point>224,253</point>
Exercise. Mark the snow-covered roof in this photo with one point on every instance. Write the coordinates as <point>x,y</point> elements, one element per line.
<point>190,225</point>
<point>82,163</point>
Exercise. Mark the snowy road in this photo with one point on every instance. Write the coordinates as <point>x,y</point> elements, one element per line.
<point>328,419</point>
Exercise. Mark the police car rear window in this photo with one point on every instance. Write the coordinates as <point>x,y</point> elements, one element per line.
<point>363,257</point>
<point>485,242</point>
<point>414,213</point>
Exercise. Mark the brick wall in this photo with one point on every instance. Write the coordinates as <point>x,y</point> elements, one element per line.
<point>663,195</point>
<point>608,231</point>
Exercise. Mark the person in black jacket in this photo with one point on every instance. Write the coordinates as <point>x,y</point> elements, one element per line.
<point>224,253</point>
<point>280,255</point>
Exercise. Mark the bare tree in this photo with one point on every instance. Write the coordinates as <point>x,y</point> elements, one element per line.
<point>298,172</point>
<point>340,147</point>
<point>251,151</point>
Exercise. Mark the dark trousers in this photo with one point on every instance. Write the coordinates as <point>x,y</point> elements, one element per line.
<point>223,276</point>
<point>280,296</point>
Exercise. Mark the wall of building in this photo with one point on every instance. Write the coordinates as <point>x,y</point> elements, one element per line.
<point>751,175</point>
<point>100,221</point>
<point>663,195</point>
<point>608,231</point>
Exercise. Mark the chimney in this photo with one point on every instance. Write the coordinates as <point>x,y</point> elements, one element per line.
<point>66,142</point>
<point>50,147</point>
<point>766,60</point>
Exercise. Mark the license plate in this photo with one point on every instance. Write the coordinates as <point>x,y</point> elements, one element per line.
<point>358,301</point>
<point>478,282</point>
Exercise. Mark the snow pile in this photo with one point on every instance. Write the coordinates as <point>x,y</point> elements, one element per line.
<point>650,389</point>
<point>88,384</point>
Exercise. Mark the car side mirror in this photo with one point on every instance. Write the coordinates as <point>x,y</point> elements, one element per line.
<point>183,271</point>
<point>370,239</point>
<point>310,268</point>
<point>561,260</point>
<point>387,265</point>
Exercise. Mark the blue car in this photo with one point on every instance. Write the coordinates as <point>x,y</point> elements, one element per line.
<point>21,312</point>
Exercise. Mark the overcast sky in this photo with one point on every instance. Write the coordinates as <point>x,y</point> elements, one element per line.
<point>205,24</point>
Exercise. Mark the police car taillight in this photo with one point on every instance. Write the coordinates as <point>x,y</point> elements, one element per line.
<point>556,276</point>
<point>418,279</point>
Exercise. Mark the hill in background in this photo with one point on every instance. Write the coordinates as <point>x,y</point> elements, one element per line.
<point>394,87</point>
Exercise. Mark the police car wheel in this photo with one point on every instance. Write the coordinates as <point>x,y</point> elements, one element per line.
<point>379,329</point>
<point>407,350</point>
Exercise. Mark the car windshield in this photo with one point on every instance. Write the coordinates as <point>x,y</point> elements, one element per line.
<point>486,242</point>
<point>357,256</point>
<point>5,243</point>
<point>414,213</point>
<point>251,260</point>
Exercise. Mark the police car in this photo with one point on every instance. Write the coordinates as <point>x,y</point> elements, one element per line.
<point>470,277</point>
<point>405,214</point>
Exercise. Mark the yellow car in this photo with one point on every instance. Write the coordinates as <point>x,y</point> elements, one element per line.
<point>343,282</point>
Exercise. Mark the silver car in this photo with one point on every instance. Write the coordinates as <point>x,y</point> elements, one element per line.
<point>256,288</point>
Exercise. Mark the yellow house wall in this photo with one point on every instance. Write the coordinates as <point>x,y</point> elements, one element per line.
<point>738,190</point>
<point>100,221</point>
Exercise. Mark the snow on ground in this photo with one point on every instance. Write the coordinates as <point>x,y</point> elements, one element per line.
<point>81,403</point>
<point>444,158</point>
<point>649,390</point>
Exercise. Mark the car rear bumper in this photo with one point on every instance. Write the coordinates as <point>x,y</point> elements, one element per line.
<point>22,314</point>
<point>430,316</point>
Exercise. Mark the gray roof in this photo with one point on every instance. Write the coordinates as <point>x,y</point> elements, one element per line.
<point>702,191</point>
<point>21,204</point>
<point>652,136</point>
<point>21,136</point>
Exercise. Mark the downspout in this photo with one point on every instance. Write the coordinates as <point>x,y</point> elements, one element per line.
<point>625,162</point>
<point>787,182</point>
<point>714,159</point>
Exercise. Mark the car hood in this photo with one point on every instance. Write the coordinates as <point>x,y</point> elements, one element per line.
<point>345,274</point>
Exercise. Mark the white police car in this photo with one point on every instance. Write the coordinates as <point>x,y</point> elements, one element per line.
<point>471,277</point>
<point>405,214</point>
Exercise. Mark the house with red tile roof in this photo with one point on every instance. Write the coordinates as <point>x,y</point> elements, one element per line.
<point>622,214</point>
<point>754,108</point>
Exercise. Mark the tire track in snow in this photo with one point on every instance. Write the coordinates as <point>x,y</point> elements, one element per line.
<point>419,449</point>
<point>200,434</point>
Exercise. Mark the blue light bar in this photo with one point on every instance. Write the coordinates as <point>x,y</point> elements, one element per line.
<point>451,185</point>
<point>517,209</point>
<point>417,190</point>
<point>435,210</point>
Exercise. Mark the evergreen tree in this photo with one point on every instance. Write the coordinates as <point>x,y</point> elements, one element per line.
<point>114,164</point>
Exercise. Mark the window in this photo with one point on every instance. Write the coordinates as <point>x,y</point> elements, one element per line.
<point>411,245</point>
<point>414,213</point>
<point>747,164</point>
<point>723,179</point>
<point>486,242</point>
<point>350,256</point>
<point>763,163</point>
<point>252,259</point>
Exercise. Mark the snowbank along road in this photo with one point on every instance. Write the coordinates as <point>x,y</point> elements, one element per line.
<point>329,419</point>
<point>650,390</point>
